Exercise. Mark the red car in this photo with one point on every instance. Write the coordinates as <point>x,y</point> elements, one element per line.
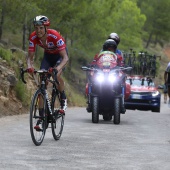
<point>144,94</point>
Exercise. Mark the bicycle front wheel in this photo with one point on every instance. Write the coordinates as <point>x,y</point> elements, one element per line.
<point>58,121</point>
<point>38,120</point>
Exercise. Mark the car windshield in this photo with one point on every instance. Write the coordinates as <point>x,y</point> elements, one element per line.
<point>140,82</point>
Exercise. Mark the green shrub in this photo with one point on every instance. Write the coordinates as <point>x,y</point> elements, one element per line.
<point>22,93</point>
<point>6,54</point>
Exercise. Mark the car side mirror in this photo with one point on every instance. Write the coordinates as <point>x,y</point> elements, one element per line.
<point>160,87</point>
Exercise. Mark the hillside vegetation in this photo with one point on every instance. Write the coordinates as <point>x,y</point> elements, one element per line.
<point>85,25</point>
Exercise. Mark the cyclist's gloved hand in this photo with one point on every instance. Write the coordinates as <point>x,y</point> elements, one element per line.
<point>50,70</point>
<point>30,70</point>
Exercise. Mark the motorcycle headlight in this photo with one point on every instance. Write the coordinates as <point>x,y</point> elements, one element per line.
<point>112,77</point>
<point>155,93</point>
<point>100,77</point>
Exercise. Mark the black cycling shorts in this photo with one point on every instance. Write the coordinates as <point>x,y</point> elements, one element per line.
<point>51,60</point>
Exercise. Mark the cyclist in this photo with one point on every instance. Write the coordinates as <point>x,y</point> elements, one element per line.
<point>55,52</point>
<point>167,80</point>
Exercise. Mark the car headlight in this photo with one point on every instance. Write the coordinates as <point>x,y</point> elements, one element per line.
<point>155,93</point>
<point>100,77</point>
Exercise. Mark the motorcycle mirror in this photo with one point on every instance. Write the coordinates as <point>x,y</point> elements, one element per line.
<point>128,68</point>
<point>84,68</point>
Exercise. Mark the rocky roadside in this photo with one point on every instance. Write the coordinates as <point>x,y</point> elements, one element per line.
<point>9,104</point>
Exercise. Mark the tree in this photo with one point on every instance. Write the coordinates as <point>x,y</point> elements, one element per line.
<point>128,23</point>
<point>157,25</point>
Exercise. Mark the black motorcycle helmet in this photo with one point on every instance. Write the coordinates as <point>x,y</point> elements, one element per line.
<point>110,45</point>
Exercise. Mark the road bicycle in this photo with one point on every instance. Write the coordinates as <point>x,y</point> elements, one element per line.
<point>143,63</point>
<point>152,65</point>
<point>41,100</point>
<point>130,61</point>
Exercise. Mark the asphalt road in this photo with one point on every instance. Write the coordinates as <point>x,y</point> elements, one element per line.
<point>140,142</point>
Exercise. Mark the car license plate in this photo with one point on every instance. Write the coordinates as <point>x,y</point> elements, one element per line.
<point>136,96</point>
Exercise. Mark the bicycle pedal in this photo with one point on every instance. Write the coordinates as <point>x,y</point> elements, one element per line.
<point>61,112</point>
<point>38,129</point>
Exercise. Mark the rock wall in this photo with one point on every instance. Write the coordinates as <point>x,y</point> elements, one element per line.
<point>9,104</point>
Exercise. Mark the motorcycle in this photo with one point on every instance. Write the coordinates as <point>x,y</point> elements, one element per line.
<point>106,87</point>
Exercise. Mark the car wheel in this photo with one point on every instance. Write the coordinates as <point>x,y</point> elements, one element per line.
<point>156,109</point>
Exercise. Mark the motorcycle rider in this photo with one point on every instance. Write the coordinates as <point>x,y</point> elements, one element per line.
<point>111,45</point>
<point>114,36</point>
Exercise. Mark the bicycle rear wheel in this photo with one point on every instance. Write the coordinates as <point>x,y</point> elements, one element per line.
<point>58,123</point>
<point>37,134</point>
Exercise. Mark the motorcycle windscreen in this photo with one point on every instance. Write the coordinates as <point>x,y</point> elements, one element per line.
<point>107,60</point>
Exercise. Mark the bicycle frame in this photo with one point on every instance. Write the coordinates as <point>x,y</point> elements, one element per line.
<point>39,121</point>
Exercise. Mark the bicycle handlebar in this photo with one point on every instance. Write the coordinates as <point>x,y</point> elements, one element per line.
<point>54,72</point>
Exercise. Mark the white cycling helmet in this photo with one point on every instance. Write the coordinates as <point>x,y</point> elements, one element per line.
<point>114,36</point>
<point>41,20</point>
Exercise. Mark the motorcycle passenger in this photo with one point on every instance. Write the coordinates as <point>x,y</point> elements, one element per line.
<point>114,36</point>
<point>55,53</point>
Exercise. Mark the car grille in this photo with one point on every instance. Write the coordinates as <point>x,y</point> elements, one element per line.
<point>142,93</point>
<point>138,101</point>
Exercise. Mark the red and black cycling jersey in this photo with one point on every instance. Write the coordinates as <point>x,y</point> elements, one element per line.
<point>54,42</point>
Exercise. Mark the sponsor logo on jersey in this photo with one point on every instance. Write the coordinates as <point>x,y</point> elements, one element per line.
<point>35,36</point>
<point>60,42</point>
<point>51,35</point>
<point>50,44</point>
<point>31,44</point>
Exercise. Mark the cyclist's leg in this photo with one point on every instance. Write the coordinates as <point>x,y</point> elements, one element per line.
<point>53,60</point>
<point>63,98</point>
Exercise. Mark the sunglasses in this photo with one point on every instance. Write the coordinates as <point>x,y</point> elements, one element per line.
<point>37,23</point>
